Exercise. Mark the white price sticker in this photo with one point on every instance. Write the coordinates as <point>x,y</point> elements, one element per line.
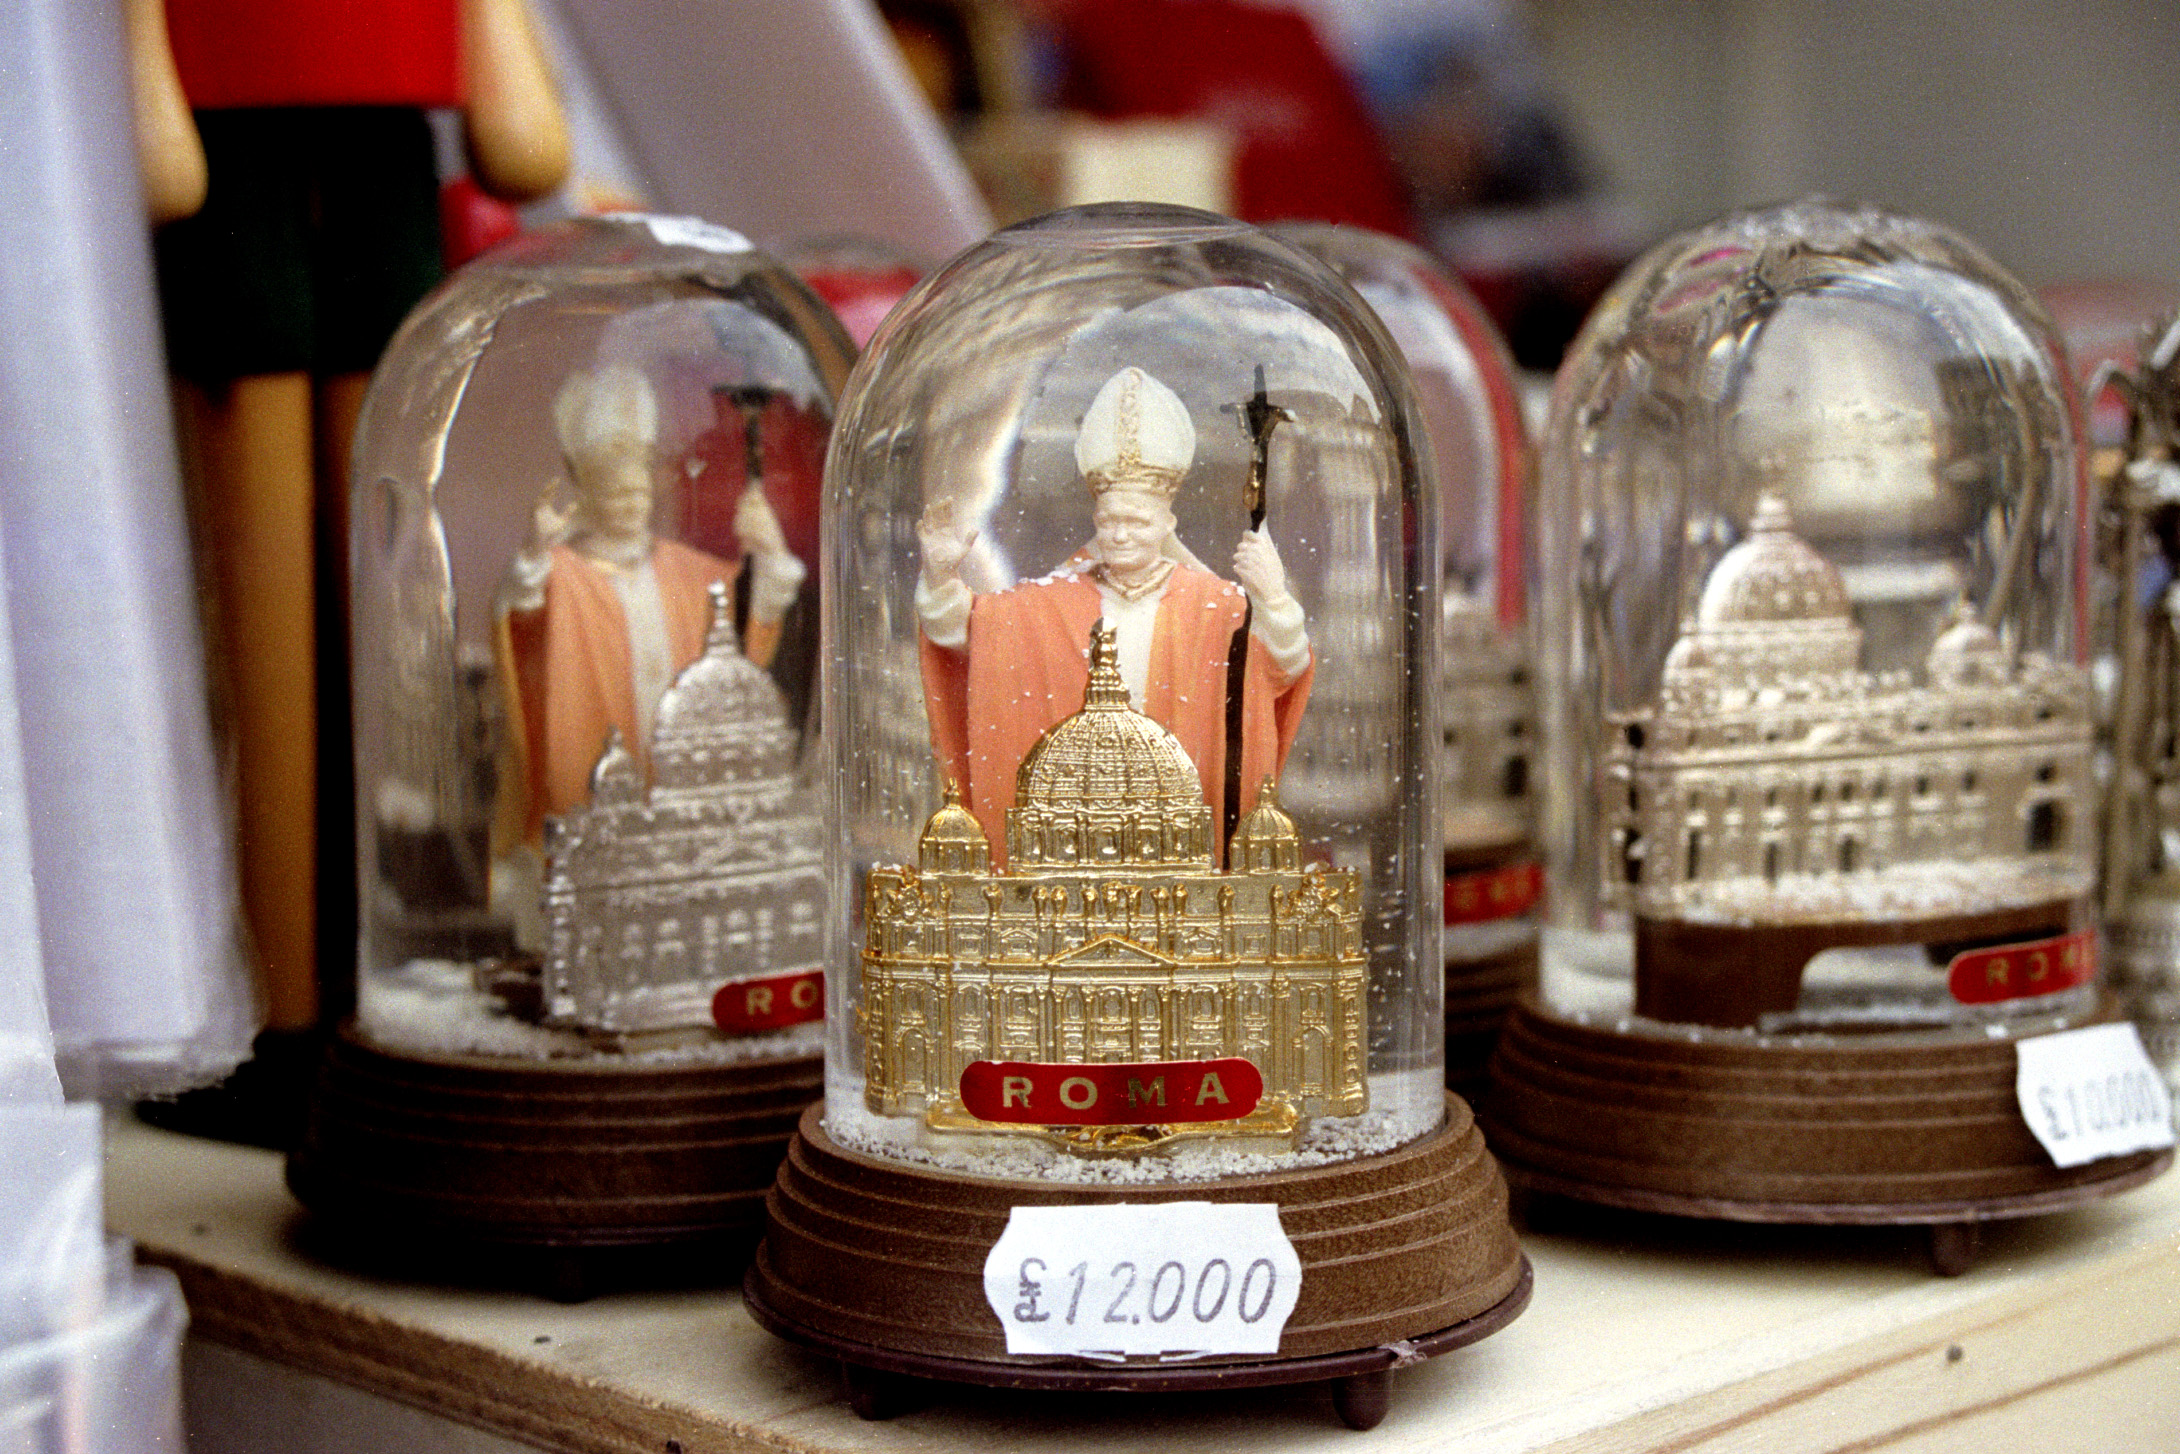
<point>1144,1278</point>
<point>686,231</point>
<point>2092,1093</point>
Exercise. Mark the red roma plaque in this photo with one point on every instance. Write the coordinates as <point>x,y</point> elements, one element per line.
<point>749,1005</point>
<point>2017,971</point>
<point>1493,893</point>
<point>1160,1092</point>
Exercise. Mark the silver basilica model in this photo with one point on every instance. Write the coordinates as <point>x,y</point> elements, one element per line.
<point>1776,781</point>
<point>655,898</point>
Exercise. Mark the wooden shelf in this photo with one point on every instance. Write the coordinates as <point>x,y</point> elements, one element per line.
<point>1645,1334</point>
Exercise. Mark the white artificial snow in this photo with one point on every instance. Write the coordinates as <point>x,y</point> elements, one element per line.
<point>1410,1105</point>
<point>1905,891</point>
<point>434,1007</point>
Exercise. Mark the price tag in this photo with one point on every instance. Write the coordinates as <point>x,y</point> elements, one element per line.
<point>686,232</point>
<point>1143,1278</point>
<point>2092,1093</point>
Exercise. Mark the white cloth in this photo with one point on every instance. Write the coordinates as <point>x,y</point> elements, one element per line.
<point>943,611</point>
<point>779,577</point>
<point>1132,623</point>
<point>135,895</point>
<point>650,655</point>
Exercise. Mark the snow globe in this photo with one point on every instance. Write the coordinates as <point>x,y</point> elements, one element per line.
<point>589,859</point>
<point>1131,702</point>
<point>1471,410</point>
<point>1818,807</point>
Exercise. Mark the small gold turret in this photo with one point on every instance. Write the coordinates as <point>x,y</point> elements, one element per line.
<point>953,841</point>
<point>1265,840</point>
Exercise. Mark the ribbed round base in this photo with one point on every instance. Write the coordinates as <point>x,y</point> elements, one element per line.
<point>881,1263</point>
<point>1874,1129</point>
<point>424,1161</point>
<point>1480,994</point>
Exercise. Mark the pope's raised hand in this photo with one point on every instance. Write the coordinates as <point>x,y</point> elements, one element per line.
<point>757,526</point>
<point>1258,567</point>
<point>944,542</point>
<point>550,521</point>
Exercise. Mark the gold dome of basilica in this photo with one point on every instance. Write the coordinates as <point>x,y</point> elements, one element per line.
<point>1108,754</point>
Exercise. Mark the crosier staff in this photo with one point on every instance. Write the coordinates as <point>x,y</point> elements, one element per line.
<point>751,400</point>
<point>1258,417</point>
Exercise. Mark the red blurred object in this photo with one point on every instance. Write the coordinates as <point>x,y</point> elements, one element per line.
<point>1493,893</point>
<point>2102,322</point>
<point>862,299</point>
<point>1304,145</point>
<point>791,442</point>
<point>236,53</point>
<point>471,221</point>
<point>860,278</point>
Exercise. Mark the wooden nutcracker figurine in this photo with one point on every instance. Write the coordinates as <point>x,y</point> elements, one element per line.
<point>287,153</point>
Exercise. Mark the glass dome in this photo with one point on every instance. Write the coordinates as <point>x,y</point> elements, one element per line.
<point>585,507</point>
<point>1471,410</point>
<point>1131,856</point>
<point>1811,573</point>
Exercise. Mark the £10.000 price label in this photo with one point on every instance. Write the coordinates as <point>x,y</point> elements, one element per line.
<point>1148,1278</point>
<point>2092,1093</point>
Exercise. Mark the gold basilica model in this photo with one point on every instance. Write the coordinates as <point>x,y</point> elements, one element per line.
<point>1110,936</point>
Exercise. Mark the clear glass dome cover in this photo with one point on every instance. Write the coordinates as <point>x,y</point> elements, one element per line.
<point>1470,406</point>
<point>583,650</point>
<point>1810,573</point>
<point>1040,666</point>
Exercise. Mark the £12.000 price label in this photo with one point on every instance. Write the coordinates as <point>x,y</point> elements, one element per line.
<point>1143,1278</point>
<point>2092,1093</point>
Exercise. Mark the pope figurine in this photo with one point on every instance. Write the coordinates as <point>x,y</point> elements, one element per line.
<point>597,615</point>
<point>1002,668</point>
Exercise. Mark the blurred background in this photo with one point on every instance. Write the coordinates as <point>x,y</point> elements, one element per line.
<point>1535,145</point>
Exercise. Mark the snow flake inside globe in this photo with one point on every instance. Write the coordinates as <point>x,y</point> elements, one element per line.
<point>1811,565</point>
<point>584,523</point>
<point>1127,583</point>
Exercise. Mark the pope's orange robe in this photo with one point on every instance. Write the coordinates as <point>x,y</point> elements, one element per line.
<point>1026,666</point>
<point>566,668</point>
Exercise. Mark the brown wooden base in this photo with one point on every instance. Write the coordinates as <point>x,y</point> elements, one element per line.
<point>1480,993</point>
<point>881,1264</point>
<point>562,1177</point>
<point>883,1383</point>
<point>1846,1129</point>
<point>1735,974</point>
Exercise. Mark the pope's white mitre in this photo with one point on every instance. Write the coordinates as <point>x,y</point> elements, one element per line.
<point>1136,435</point>
<point>595,410</point>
